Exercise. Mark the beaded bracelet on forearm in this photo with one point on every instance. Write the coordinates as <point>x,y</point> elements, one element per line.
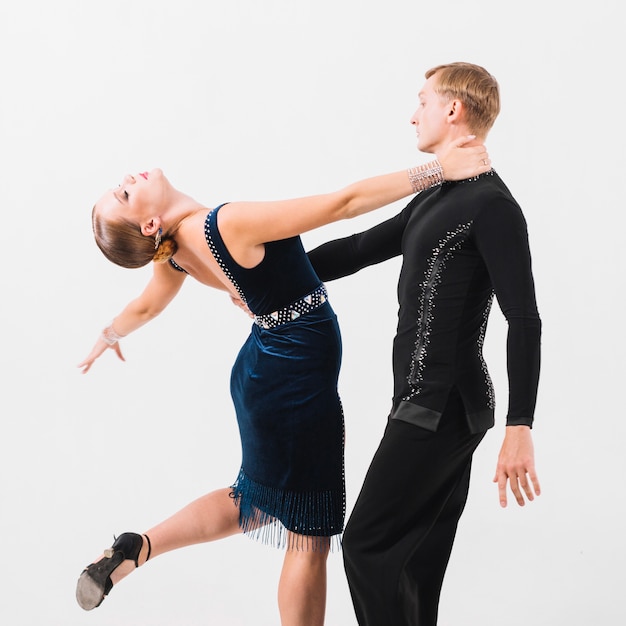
<point>425,176</point>
<point>109,336</point>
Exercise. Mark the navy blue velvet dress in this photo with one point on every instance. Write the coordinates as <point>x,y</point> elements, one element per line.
<point>284,388</point>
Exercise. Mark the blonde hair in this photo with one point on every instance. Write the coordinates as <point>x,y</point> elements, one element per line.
<point>122,242</point>
<point>475,87</point>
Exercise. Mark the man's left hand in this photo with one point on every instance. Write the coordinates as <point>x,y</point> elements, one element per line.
<point>516,465</point>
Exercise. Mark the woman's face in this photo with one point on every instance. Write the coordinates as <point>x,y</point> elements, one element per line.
<point>137,198</point>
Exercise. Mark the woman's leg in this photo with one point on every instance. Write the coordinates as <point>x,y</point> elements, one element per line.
<point>211,517</point>
<point>302,586</point>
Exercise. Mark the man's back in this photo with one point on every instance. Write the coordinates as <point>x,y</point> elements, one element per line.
<point>461,242</point>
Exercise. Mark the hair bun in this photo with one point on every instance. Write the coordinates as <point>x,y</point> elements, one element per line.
<point>166,250</point>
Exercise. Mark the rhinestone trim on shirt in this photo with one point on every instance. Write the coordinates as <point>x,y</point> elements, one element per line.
<point>491,396</point>
<point>432,278</point>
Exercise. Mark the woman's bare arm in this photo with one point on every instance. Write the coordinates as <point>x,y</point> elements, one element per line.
<point>159,292</point>
<point>246,226</point>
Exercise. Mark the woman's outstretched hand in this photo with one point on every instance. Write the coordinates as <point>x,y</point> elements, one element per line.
<point>97,350</point>
<point>460,161</point>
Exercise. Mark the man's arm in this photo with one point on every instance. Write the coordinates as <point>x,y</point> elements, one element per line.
<point>342,257</point>
<point>502,239</point>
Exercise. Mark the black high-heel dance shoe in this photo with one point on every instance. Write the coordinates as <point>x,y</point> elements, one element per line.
<point>94,583</point>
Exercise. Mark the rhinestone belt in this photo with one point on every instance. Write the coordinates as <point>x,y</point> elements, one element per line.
<point>294,310</point>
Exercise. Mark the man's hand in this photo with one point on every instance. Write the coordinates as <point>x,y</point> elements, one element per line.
<point>516,464</point>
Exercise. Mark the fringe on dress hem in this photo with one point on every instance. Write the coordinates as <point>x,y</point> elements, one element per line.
<point>287,519</point>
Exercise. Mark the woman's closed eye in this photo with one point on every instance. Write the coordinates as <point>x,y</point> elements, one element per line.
<point>122,192</point>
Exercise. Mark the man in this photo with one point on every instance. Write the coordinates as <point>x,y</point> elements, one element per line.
<point>460,243</point>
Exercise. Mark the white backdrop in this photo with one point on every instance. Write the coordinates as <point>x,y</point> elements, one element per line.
<point>275,99</point>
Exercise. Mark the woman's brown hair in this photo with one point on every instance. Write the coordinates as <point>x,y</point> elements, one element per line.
<point>123,243</point>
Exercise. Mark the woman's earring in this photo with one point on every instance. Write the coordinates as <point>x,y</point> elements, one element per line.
<point>157,239</point>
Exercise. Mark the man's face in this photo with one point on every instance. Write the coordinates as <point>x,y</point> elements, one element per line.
<point>430,118</point>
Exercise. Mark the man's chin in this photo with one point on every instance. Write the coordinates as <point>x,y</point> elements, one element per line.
<point>423,146</point>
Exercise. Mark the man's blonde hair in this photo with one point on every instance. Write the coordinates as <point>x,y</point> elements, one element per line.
<point>475,87</point>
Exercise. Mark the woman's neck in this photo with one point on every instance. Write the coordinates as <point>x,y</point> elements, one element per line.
<point>180,208</point>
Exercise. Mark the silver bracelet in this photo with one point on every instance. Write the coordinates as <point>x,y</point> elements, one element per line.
<point>109,336</point>
<point>425,176</point>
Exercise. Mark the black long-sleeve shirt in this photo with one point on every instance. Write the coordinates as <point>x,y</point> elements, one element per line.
<point>461,243</point>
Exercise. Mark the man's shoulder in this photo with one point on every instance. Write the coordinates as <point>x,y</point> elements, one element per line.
<point>493,193</point>
<point>473,196</point>
<point>496,204</point>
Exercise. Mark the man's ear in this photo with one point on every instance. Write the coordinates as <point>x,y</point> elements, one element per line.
<point>455,110</point>
<point>151,227</point>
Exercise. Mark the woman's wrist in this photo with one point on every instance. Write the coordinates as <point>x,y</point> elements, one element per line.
<point>425,176</point>
<point>109,336</point>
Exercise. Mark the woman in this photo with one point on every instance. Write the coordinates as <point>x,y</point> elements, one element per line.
<point>290,490</point>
